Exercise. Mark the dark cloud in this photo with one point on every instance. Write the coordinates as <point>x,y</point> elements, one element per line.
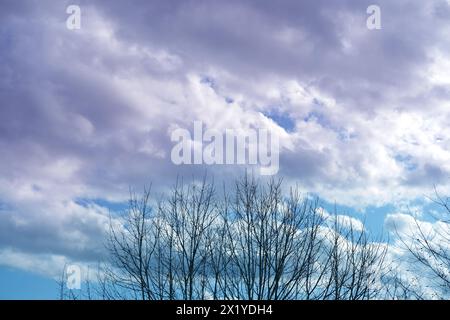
<point>87,113</point>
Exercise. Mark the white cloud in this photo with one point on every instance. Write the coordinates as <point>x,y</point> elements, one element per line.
<point>370,126</point>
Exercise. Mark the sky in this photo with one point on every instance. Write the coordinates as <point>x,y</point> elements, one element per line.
<point>86,114</point>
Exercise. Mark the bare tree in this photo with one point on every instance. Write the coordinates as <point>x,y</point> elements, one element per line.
<point>188,216</point>
<point>356,265</point>
<point>398,286</point>
<point>428,245</point>
<point>131,245</point>
<point>271,242</point>
<point>254,243</point>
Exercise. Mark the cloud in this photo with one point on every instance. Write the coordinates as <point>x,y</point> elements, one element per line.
<point>48,265</point>
<point>362,115</point>
<point>342,221</point>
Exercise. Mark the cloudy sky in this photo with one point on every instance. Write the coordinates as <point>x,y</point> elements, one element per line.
<point>362,115</point>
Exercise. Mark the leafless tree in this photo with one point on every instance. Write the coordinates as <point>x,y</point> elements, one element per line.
<point>271,242</point>
<point>188,217</point>
<point>428,245</point>
<point>131,245</point>
<point>253,243</point>
<point>398,286</point>
<point>356,265</point>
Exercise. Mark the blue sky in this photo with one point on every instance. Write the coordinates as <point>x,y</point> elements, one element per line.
<point>17,284</point>
<point>86,114</point>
